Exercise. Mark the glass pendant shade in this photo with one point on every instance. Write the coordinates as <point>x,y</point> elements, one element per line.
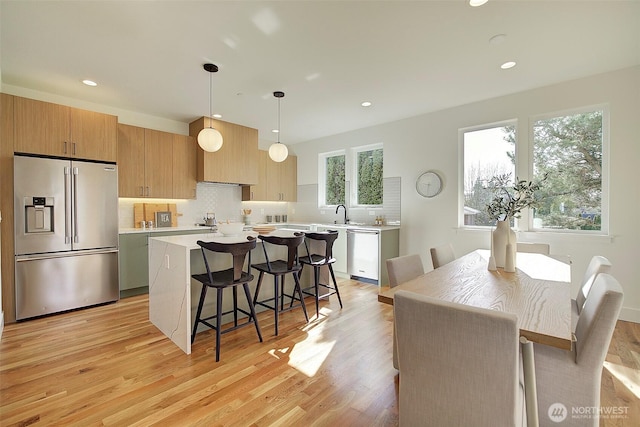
<point>278,152</point>
<point>210,140</point>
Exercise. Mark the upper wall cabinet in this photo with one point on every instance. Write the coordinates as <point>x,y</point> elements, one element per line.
<point>236,162</point>
<point>184,167</point>
<point>155,164</point>
<point>277,181</point>
<point>58,130</point>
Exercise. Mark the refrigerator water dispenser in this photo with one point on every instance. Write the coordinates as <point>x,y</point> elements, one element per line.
<point>38,215</point>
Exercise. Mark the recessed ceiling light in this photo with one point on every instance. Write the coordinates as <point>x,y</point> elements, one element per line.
<point>275,131</point>
<point>217,116</point>
<point>89,82</point>
<point>366,104</point>
<point>476,3</point>
<point>498,39</point>
<point>507,65</point>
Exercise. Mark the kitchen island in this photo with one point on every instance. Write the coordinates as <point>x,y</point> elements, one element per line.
<point>172,261</point>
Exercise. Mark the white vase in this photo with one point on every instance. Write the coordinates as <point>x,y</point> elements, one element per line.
<point>502,235</point>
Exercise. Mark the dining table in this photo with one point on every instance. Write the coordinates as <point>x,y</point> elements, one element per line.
<point>538,293</point>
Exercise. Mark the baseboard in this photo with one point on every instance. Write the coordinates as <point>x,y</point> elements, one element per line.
<point>630,315</point>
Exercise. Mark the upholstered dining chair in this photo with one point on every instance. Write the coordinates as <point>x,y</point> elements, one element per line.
<point>400,270</point>
<point>572,378</point>
<point>404,268</point>
<point>459,365</point>
<point>597,265</point>
<point>442,255</point>
<point>534,248</point>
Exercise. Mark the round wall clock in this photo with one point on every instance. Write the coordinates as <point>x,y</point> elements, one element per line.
<point>429,184</point>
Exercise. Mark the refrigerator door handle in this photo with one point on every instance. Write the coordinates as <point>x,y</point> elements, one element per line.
<point>67,205</point>
<point>23,258</point>
<point>75,205</point>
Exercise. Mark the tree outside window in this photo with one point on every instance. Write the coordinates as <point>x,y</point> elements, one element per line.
<point>369,180</point>
<point>335,180</point>
<point>488,152</point>
<point>568,149</point>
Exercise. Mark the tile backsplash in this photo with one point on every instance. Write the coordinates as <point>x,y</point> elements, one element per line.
<point>307,210</point>
<point>225,200</point>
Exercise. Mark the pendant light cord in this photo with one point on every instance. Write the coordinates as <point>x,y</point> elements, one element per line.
<point>210,102</point>
<point>278,120</point>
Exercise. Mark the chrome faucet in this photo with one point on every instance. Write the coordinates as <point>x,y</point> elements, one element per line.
<point>346,220</point>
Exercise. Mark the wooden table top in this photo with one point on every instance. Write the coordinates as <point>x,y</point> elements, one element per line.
<point>539,292</point>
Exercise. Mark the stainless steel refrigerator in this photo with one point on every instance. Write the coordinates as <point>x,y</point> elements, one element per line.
<point>66,234</point>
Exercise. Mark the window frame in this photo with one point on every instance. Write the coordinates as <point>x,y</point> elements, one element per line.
<point>353,202</point>
<point>604,197</point>
<point>475,128</point>
<point>322,175</point>
<point>524,165</point>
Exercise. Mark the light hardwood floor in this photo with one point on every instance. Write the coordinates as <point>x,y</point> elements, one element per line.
<point>109,365</point>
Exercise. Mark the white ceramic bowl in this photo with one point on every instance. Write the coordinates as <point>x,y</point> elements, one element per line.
<point>230,229</point>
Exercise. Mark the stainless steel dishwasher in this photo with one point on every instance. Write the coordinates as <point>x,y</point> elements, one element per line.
<point>363,254</point>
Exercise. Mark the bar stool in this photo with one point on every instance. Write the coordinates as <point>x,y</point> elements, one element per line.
<point>279,269</point>
<point>231,277</point>
<point>317,261</point>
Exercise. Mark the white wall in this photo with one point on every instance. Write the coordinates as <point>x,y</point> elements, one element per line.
<point>430,141</point>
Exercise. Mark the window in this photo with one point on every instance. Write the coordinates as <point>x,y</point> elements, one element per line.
<point>361,166</point>
<point>332,179</point>
<point>488,152</point>
<point>568,149</point>
<point>368,182</point>
<point>565,152</point>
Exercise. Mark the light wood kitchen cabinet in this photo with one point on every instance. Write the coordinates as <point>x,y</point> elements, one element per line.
<point>130,161</point>
<point>58,130</point>
<point>7,260</point>
<point>258,191</point>
<point>184,167</point>
<point>277,181</point>
<point>158,164</point>
<point>236,162</point>
<point>289,179</point>
<point>155,164</point>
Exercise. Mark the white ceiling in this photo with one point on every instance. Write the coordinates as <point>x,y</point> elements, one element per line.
<point>407,58</point>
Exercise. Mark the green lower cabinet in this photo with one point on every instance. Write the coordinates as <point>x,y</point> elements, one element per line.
<point>133,261</point>
<point>339,250</point>
<point>133,264</point>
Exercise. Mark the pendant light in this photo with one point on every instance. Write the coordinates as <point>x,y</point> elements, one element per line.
<point>278,151</point>
<point>210,139</point>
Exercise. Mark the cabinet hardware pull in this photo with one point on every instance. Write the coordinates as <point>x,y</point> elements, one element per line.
<point>74,149</point>
<point>65,147</point>
<point>141,191</point>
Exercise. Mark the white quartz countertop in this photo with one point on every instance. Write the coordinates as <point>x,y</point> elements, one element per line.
<point>132,230</point>
<point>305,226</point>
<point>190,241</point>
